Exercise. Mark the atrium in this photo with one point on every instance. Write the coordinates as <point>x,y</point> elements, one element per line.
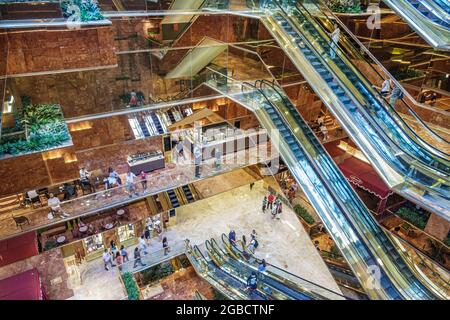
<point>225,150</point>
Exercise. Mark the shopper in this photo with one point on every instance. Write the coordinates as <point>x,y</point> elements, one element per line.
<point>107,259</point>
<point>270,200</point>
<point>137,258</point>
<point>55,205</point>
<point>262,266</point>
<point>113,247</point>
<point>244,240</point>
<point>252,282</point>
<point>279,210</point>
<point>335,35</point>
<point>124,254</point>
<point>113,174</point>
<point>119,260</point>
<point>232,237</point>
<point>130,184</point>
<point>197,160</point>
<point>253,234</point>
<point>165,245</point>
<point>253,245</point>
<point>264,204</point>
<point>147,235</point>
<point>396,94</point>
<point>324,130</point>
<point>386,87</point>
<point>143,176</point>
<point>218,158</point>
<point>142,245</point>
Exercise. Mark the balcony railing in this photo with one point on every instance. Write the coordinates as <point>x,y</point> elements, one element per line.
<point>157,182</point>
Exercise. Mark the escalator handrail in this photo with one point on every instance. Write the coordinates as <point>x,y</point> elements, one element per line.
<point>416,183</point>
<point>388,74</point>
<point>364,242</point>
<point>380,229</point>
<point>387,139</point>
<point>381,101</point>
<point>336,200</point>
<point>224,236</point>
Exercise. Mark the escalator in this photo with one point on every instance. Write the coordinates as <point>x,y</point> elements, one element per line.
<point>238,252</point>
<point>277,288</point>
<point>226,284</point>
<point>381,266</point>
<point>143,127</point>
<point>157,123</point>
<point>173,198</point>
<point>407,163</point>
<point>188,194</point>
<point>429,18</point>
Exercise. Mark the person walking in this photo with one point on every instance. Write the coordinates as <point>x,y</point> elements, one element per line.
<point>232,237</point>
<point>124,254</point>
<point>130,187</point>
<point>262,269</point>
<point>143,176</point>
<point>107,260</point>
<point>264,204</point>
<point>253,245</point>
<point>252,282</point>
<point>137,258</point>
<point>279,210</point>
<point>165,245</point>
<point>218,159</point>
<point>270,200</point>
<point>197,160</point>
<point>113,248</point>
<point>386,87</point>
<point>147,235</point>
<point>119,260</point>
<point>142,245</point>
<point>396,94</point>
<point>253,234</point>
<point>335,36</point>
<point>244,240</point>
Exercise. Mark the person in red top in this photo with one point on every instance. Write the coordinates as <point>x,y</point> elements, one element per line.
<point>270,200</point>
<point>143,177</point>
<point>133,99</point>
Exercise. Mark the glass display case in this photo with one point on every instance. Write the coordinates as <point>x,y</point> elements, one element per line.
<point>94,246</point>
<point>126,233</point>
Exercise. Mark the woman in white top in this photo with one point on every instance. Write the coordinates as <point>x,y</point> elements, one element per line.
<point>54,204</point>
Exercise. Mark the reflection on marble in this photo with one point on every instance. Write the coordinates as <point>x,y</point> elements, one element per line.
<point>283,242</point>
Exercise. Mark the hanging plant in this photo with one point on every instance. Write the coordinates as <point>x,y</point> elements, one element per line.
<point>345,6</point>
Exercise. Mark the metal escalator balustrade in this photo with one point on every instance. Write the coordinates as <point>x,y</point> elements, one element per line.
<point>360,62</point>
<point>425,18</point>
<point>360,88</point>
<point>268,284</point>
<point>314,290</point>
<point>382,153</point>
<point>362,243</point>
<point>227,285</point>
<point>265,289</point>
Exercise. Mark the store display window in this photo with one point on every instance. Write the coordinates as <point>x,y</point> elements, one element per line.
<point>94,243</point>
<point>126,232</point>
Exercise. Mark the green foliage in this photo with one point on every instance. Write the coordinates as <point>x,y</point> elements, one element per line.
<point>46,129</point>
<point>447,240</point>
<point>218,295</point>
<point>415,218</point>
<point>335,252</point>
<point>156,273</point>
<point>87,10</point>
<point>345,6</point>
<point>409,73</point>
<point>304,214</point>
<point>50,244</point>
<point>130,286</point>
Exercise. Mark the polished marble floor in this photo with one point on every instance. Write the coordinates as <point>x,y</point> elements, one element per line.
<point>283,242</point>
